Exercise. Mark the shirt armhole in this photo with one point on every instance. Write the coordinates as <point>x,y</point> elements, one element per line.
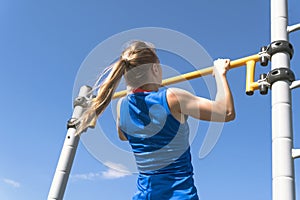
<point>166,105</point>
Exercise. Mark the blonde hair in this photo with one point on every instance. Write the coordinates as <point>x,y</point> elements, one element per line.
<point>138,53</point>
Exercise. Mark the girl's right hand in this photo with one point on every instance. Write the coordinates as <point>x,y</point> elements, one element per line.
<point>221,66</point>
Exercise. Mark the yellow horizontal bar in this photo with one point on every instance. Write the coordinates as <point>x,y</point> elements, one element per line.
<point>198,73</point>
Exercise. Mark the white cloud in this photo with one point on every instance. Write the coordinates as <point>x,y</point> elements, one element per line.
<point>12,183</point>
<point>113,174</point>
<point>89,176</point>
<point>113,171</point>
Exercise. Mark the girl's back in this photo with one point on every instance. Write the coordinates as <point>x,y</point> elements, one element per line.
<point>160,145</point>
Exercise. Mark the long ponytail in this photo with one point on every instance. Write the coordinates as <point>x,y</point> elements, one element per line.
<point>136,54</point>
<point>104,96</point>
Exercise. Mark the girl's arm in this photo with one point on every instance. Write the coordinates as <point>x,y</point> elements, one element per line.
<point>221,109</point>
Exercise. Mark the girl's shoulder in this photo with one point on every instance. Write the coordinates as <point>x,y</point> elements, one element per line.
<point>173,98</point>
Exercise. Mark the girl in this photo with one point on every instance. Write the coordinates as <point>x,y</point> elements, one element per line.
<point>154,121</point>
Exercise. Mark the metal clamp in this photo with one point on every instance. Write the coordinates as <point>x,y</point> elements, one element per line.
<point>266,52</point>
<point>263,84</point>
<point>81,101</point>
<point>280,74</point>
<point>280,46</point>
<point>72,123</point>
<point>264,56</point>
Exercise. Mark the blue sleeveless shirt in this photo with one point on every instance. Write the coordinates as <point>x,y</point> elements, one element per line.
<point>160,144</point>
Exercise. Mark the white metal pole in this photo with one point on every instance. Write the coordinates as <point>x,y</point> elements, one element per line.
<point>67,155</point>
<point>282,133</point>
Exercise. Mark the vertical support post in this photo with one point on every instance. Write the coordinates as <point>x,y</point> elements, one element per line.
<point>282,134</point>
<point>67,155</point>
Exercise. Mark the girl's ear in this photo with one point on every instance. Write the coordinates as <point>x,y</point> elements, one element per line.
<point>155,68</point>
<point>157,73</point>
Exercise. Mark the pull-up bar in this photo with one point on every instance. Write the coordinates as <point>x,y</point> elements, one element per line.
<point>249,61</point>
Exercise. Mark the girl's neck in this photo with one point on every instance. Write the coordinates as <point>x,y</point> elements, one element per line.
<point>146,88</point>
<point>150,87</point>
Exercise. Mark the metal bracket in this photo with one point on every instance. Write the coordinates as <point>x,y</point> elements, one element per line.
<point>266,52</point>
<point>72,123</point>
<point>280,74</point>
<point>264,56</point>
<point>81,101</point>
<point>293,28</point>
<point>296,153</point>
<point>280,46</point>
<point>263,84</point>
<point>295,84</point>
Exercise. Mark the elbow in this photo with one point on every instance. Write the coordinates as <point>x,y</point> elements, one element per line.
<point>230,116</point>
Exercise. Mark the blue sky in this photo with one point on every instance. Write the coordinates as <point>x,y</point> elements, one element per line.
<point>44,43</point>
